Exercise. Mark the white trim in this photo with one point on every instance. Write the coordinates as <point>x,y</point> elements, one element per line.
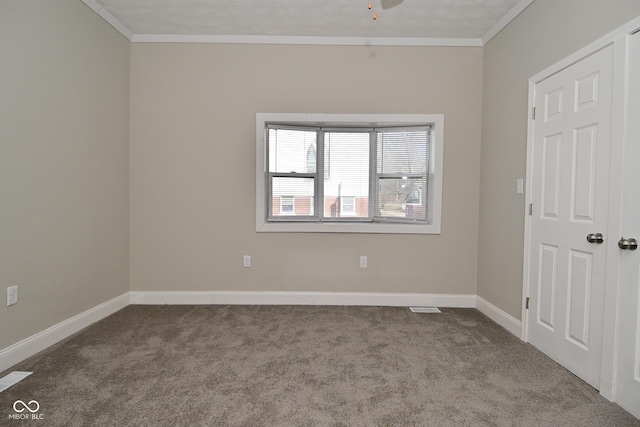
<point>304,298</point>
<point>528,197</point>
<point>112,20</point>
<point>28,347</point>
<point>619,120</point>
<point>12,378</point>
<point>436,121</point>
<point>345,227</point>
<point>309,40</point>
<point>505,20</point>
<point>499,316</point>
<point>306,40</point>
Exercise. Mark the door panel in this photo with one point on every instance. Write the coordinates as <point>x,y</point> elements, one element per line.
<point>547,288</point>
<point>553,103</point>
<point>570,179</point>
<point>551,176</point>
<point>587,91</point>
<point>583,186</point>
<point>579,298</point>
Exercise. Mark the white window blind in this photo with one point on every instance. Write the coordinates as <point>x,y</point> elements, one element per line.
<point>402,173</point>
<point>368,174</point>
<point>292,173</point>
<point>348,154</point>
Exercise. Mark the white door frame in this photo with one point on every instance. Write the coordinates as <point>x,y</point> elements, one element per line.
<point>618,39</point>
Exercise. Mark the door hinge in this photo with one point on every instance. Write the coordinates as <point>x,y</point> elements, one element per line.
<point>530,209</point>
<point>527,304</point>
<point>533,113</point>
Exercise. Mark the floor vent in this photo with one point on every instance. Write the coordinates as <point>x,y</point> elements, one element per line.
<point>425,309</point>
<point>12,378</point>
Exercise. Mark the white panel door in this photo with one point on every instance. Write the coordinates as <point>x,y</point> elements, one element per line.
<point>628,368</point>
<point>569,190</point>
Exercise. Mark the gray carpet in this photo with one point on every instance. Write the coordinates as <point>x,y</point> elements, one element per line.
<point>302,366</point>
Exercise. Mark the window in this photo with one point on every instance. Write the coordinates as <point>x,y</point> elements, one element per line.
<point>349,173</point>
<point>347,205</point>
<point>287,206</point>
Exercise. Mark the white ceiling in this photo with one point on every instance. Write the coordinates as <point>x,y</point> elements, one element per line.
<point>427,22</point>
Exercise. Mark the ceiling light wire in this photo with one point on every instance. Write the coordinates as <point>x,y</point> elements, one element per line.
<point>375,15</point>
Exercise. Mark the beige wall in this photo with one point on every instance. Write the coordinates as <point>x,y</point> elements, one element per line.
<point>192,185</point>
<point>546,32</point>
<point>63,163</point>
<point>64,159</point>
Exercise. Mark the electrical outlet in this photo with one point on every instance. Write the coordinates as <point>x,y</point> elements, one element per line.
<point>12,295</point>
<point>246,261</point>
<point>363,262</point>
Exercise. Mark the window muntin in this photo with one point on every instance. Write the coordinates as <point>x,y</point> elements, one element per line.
<point>429,200</point>
<point>394,190</point>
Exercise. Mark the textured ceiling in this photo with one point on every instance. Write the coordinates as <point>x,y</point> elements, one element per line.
<point>466,19</point>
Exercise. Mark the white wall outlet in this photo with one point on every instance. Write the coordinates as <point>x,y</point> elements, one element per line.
<point>12,295</point>
<point>363,262</point>
<point>519,186</point>
<point>246,261</point>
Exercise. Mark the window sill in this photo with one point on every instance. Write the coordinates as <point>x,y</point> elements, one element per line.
<point>341,227</point>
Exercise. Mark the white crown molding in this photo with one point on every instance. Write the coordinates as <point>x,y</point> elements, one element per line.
<point>305,40</point>
<point>112,20</point>
<point>308,40</point>
<point>36,343</point>
<point>505,20</point>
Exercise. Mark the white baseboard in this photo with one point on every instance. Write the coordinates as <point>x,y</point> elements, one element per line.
<point>34,344</point>
<point>499,316</point>
<point>304,298</point>
<point>28,347</point>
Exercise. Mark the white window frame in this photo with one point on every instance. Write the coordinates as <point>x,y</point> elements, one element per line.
<point>434,204</point>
